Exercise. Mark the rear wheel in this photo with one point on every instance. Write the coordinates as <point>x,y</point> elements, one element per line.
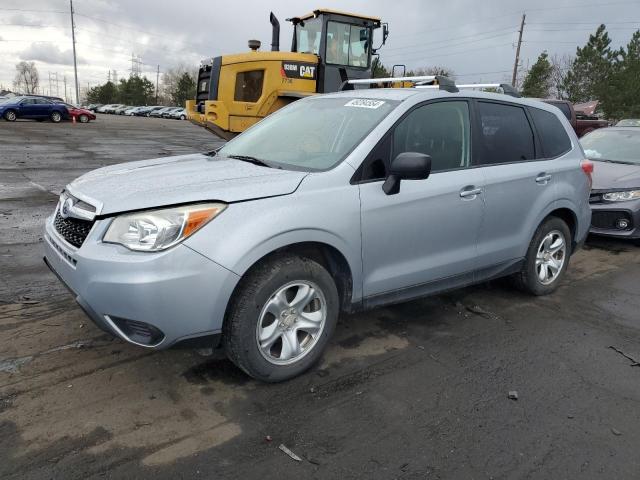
<point>56,117</point>
<point>83,118</point>
<point>10,116</point>
<point>547,258</point>
<point>281,318</point>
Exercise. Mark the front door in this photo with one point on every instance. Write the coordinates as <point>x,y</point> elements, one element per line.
<point>424,238</point>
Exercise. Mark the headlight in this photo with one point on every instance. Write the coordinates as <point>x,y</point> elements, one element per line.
<point>154,230</point>
<point>621,196</point>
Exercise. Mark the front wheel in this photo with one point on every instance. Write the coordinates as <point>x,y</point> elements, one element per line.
<point>281,318</point>
<point>83,118</point>
<point>56,117</point>
<point>182,117</point>
<point>10,116</point>
<point>547,258</point>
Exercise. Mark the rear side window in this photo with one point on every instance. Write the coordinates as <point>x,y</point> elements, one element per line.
<point>553,136</point>
<point>249,86</point>
<point>506,135</point>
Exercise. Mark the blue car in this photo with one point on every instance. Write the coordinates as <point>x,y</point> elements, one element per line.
<point>36,108</point>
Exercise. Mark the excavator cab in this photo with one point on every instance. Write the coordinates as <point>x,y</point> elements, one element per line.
<point>328,49</point>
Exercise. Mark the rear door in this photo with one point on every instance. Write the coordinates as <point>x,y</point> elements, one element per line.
<point>43,108</point>
<point>519,183</point>
<point>426,234</point>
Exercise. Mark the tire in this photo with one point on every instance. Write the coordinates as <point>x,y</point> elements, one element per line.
<point>10,116</point>
<point>182,117</point>
<point>83,118</point>
<point>284,277</point>
<point>541,262</point>
<point>56,117</point>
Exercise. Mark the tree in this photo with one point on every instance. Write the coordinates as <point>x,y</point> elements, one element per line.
<point>105,94</point>
<point>434,70</point>
<point>591,69</point>
<point>27,78</point>
<point>537,83</point>
<point>378,70</point>
<point>623,95</point>
<point>560,65</point>
<point>136,90</point>
<point>185,89</point>
<point>171,91</point>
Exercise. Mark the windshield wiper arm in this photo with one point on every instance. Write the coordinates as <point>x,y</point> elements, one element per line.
<point>250,159</point>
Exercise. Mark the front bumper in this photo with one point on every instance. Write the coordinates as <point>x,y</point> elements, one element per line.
<point>178,292</point>
<point>606,215</point>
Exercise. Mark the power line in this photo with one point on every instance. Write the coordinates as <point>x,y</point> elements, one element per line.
<point>450,39</point>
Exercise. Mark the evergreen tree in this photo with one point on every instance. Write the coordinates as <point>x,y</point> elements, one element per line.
<point>623,93</point>
<point>538,80</point>
<point>378,70</point>
<point>185,89</point>
<point>591,69</point>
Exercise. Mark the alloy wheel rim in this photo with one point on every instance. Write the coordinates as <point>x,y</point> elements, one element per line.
<point>291,322</point>
<point>55,117</point>
<point>550,258</point>
<point>11,116</point>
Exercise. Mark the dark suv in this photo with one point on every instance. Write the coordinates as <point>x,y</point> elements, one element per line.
<point>36,108</point>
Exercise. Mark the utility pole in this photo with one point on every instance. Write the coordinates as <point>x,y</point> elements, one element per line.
<point>157,78</point>
<point>64,78</point>
<point>109,76</point>
<point>515,65</point>
<point>75,63</point>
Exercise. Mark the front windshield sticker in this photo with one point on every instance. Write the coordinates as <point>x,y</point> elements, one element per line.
<point>364,103</point>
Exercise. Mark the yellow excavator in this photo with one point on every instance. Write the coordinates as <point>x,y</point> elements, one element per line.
<point>329,50</point>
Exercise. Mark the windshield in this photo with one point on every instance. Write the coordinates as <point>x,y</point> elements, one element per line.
<point>614,145</point>
<point>310,135</point>
<point>308,36</point>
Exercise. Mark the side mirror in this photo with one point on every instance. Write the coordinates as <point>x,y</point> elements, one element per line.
<point>406,166</point>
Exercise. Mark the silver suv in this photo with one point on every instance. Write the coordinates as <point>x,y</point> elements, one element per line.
<point>333,204</point>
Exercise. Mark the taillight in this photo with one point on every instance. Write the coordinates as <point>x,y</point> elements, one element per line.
<point>587,168</point>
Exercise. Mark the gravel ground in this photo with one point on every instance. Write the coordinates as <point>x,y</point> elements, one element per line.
<point>418,390</point>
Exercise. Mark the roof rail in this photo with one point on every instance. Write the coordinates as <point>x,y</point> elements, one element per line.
<point>433,81</point>
<point>506,88</point>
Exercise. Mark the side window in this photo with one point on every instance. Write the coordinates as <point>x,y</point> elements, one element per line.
<point>249,86</point>
<point>440,130</point>
<point>506,135</point>
<point>359,46</point>
<point>564,108</point>
<point>28,101</point>
<point>553,136</point>
<point>42,101</point>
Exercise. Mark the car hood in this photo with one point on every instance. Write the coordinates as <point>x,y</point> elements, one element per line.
<point>182,179</point>
<point>608,176</point>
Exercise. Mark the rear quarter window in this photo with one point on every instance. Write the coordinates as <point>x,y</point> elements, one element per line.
<point>551,132</point>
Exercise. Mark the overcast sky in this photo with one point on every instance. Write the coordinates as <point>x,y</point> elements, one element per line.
<point>474,39</point>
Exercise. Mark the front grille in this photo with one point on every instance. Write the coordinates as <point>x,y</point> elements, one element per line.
<point>73,230</point>
<point>608,219</point>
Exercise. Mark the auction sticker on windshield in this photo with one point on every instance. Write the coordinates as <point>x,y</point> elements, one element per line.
<point>364,103</point>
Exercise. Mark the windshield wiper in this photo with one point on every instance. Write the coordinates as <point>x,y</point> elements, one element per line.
<point>254,160</point>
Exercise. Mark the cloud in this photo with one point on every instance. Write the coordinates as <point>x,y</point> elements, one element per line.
<point>20,19</point>
<point>48,53</point>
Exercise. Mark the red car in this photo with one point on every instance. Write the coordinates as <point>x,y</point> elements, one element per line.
<point>81,115</point>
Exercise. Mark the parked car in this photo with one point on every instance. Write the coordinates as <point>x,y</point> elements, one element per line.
<point>629,122</point>
<point>159,112</point>
<point>81,115</point>
<point>334,203</point>
<point>121,109</point>
<point>615,198</point>
<point>35,108</point>
<point>581,123</point>
<point>167,113</point>
<point>93,107</point>
<point>147,110</point>
<point>178,114</point>
<point>132,111</point>
<point>112,108</point>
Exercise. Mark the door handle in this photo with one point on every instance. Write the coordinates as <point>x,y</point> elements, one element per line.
<point>543,178</point>
<point>470,192</point>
